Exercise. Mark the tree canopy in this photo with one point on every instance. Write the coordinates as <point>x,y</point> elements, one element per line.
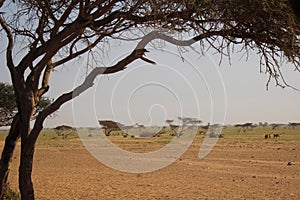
<point>73,28</point>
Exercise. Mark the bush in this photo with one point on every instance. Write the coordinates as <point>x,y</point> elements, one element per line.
<point>11,194</point>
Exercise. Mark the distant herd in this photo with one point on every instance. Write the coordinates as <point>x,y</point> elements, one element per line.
<point>276,135</point>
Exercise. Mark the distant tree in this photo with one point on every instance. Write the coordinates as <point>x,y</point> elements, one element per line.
<point>140,126</point>
<point>274,126</point>
<point>8,105</point>
<point>190,122</point>
<point>53,33</point>
<point>174,128</point>
<point>64,130</point>
<point>244,127</point>
<point>169,121</point>
<point>293,124</point>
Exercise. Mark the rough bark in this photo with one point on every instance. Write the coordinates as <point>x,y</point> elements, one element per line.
<point>26,108</point>
<point>7,153</point>
<point>25,171</point>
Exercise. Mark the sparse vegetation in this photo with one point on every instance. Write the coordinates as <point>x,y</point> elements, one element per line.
<point>11,194</point>
<point>237,156</point>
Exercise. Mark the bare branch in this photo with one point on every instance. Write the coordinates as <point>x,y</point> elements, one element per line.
<point>76,54</point>
<point>45,83</point>
<point>9,49</point>
<point>63,18</point>
<point>121,65</point>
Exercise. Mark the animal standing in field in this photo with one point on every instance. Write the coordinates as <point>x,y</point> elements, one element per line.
<point>276,135</point>
<point>267,136</point>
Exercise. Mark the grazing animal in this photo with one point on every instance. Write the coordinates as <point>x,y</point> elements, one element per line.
<point>267,136</point>
<point>276,135</point>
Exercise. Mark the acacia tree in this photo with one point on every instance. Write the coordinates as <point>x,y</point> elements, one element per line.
<point>8,106</point>
<point>52,33</point>
<point>8,111</point>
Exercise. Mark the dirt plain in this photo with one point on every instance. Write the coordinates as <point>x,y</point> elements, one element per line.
<point>241,166</point>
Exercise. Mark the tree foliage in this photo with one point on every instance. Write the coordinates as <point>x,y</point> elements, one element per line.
<point>47,34</point>
<point>267,27</point>
<point>8,106</point>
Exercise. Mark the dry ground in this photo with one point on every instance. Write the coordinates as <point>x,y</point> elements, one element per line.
<point>241,166</point>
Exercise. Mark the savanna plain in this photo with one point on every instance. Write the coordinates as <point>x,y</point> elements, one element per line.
<point>240,166</point>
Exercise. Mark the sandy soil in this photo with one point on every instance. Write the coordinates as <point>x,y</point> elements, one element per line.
<point>235,169</point>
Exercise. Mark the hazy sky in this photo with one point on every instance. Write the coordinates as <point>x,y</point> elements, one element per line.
<point>150,94</point>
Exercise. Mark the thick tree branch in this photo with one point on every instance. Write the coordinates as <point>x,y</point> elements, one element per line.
<point>121,65</point>
<point>138,53</point>
<point>34,77</point>
<point>1,3</point>
<point>101,10</point>
<point>45,82</point>
<point>63,18</point>
<point>9,49</point>
<point>54,44</point>
<point>78,53</point>
<point>7,153</point>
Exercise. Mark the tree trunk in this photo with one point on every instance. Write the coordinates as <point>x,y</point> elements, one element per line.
<point>25,170</point>
<point>7,153</point>
<point>27,148</point>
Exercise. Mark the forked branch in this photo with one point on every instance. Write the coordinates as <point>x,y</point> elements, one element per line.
<point>138,53</point>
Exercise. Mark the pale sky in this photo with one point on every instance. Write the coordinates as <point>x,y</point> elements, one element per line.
<point>150,94</point>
